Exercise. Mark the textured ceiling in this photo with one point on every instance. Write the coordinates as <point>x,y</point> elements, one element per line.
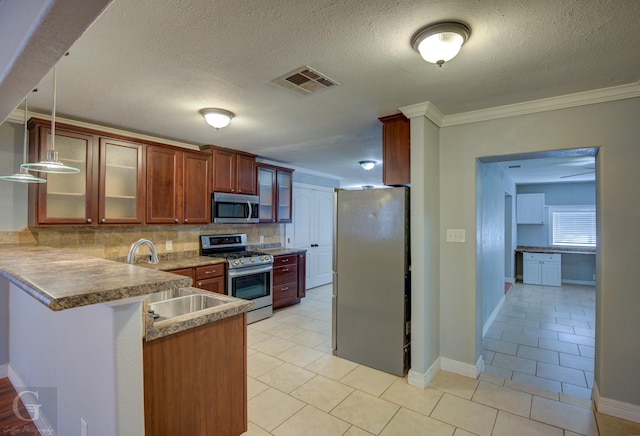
<point>150,66</point>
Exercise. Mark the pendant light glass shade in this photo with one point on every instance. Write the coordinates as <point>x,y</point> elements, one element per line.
<point>23,176</point>
<point>217,118</point>
<point>52,163</point>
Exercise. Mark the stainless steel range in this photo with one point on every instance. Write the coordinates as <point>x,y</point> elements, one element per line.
<point>250,273</point>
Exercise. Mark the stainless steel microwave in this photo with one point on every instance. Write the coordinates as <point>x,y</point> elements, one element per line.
<point>234,208</point>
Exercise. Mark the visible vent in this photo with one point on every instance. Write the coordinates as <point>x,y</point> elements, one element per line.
<point>305,80</point>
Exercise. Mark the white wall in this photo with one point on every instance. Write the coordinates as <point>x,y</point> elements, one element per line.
<point>92,355</point>
<point>11,193</point>
<point>612,126</point>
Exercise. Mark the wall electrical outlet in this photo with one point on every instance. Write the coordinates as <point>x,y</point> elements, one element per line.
<point>456,235</point>
<point>262,239</point>
<point>169,245</point>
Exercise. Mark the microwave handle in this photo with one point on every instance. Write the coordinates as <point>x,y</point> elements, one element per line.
<point>250,211</point>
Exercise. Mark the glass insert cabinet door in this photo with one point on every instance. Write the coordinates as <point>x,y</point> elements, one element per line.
<point>64,198</point>
<point>266,192</point>
<point>284,196</point>
<point>120,182</point>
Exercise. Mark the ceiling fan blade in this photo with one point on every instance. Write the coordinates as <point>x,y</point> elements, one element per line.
<point>578,174</point>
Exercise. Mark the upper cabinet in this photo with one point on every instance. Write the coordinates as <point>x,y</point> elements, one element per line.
<point>396,150</point>
<point>233,172</point>
<point>120,181</point>
<point>275,192</point>
<point>121,185</point>
<point>109,188</point>
<point>530,208</point>
<point>178,186</point>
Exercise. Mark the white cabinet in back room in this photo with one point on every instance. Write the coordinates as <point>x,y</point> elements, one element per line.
<point>530,208</point>
<point>542,269</point>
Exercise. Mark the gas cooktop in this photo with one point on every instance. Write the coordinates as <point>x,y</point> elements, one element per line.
<point>233,248</point>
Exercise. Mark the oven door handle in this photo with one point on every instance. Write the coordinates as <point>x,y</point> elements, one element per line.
<point>238,272</point>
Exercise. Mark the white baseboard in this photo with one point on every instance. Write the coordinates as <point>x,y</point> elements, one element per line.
<point>41,422</point>
<point>616,408</point>
<point>423,380</point>
<point>4,371</point>
<point>492,317</point>
<point>462,368</point>
<point>579,282</point>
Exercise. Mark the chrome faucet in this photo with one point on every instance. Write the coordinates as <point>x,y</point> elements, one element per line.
<point>153,258</point>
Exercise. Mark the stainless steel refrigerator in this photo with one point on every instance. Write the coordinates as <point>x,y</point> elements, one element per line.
<point>371,278</point>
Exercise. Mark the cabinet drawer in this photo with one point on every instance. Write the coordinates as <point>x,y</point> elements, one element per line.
<point>187,272</point>
<point>542,257</point>
<point>285,274</point>
<point>284,260</point>
<point>284,292</point>
<point>209,271</point>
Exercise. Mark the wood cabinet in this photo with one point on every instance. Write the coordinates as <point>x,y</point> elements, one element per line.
<point>233,171</point>
<point>396,150</point>
<point>178,186</point>
<point>195,381</point>
<point>275,191</point>
<point>109,189</point>
<point>530,208</point>
<point>209,277</point>
<point>288,288</point>
<point>542,269</point>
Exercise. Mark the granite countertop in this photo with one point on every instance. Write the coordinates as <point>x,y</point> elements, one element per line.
<point>182,262</point>
<point>159,329</point>
<point>560,250</point>
<point>280,251</point>
<point>61,279</point>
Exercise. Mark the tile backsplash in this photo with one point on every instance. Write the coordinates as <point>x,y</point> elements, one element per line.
<point>115,241</point>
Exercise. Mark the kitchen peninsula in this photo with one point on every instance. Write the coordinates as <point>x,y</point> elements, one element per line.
<point>76,325</point>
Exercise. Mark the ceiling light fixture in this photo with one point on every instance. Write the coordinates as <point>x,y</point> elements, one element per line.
<point>52,164</point>
<point>367,165</point>
<point>440,42</point>
<point>217,118</point>
<point>24,176</point>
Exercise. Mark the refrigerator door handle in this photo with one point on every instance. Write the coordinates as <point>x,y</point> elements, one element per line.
<point>334,313</point>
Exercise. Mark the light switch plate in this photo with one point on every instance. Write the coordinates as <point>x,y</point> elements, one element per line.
<point>456,235</point>
<point>169,245</point>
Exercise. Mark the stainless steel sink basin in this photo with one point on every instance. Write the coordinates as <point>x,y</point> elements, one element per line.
<point>168,295</point>
<point>174,307</point>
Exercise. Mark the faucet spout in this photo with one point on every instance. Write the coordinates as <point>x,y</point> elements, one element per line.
<point>134,249</point>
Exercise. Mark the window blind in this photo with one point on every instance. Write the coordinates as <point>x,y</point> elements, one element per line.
<point>574,228</point>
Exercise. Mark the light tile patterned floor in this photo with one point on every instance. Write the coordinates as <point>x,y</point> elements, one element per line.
<point>297,387</point>
<point>545,336</point>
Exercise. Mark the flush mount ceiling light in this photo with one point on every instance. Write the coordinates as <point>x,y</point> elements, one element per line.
<point>217,118</point>
<point>367,165</point>
<point>440,42</point>
<point>23,176</point>
<point>52,164</point>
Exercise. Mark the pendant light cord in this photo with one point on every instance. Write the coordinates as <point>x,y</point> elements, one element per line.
<point>24,144</point>
<point>53,112</point>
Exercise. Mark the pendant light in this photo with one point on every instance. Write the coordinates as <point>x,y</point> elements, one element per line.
<point>52,163</point>
<point>24,176</point>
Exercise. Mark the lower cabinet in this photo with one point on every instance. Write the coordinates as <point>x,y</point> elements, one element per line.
<point>210,277</point>
<point>542,269</point>
<point>288,279</point>
<point>195,381</point>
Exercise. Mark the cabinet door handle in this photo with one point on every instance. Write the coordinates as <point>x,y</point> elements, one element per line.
<point>89,220</point>
<point>285,260</point>
<point>186,220</point>
<point>176,220</point>
<point>285,270</point>
<point>103,220</point>
<point>286,288</point>
<point>199,283</point>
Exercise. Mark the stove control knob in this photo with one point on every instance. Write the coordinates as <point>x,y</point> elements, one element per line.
<point>252,260</point>
<point>235,262</point>
<point>242,261</point>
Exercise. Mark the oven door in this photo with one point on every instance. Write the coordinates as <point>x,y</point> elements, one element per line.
<point>253,284</point>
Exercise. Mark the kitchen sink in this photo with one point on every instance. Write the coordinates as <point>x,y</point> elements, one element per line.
<point>168,295</point>
<point>173,307</point>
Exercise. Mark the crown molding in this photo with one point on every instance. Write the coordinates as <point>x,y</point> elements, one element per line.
<point>426,109</point>
<point>298,169</point>
<point>546,104</point>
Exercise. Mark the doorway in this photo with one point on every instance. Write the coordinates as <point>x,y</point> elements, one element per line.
<point>540,336</point>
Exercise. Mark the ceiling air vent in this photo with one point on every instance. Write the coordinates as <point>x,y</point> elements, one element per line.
<point>305,80</point>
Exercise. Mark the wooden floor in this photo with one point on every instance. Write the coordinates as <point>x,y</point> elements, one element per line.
<point>9,422</point>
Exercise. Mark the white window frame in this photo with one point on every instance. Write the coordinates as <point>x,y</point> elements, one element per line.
<point>552,209</point>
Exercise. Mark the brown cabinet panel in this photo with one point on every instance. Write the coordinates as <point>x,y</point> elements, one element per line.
<point>246,174</point>
<point>196,188</point>
<point>209,277</point>
<point>285,280</point>
<point>187,272</point>
<point>285,274</point>
<point>215,284</point>
<point>195,381</point>
<point>302,275</point>
<point>209,271</point>
<point>234,172</point>
<point>163,185</point>
<point>396,150</point>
